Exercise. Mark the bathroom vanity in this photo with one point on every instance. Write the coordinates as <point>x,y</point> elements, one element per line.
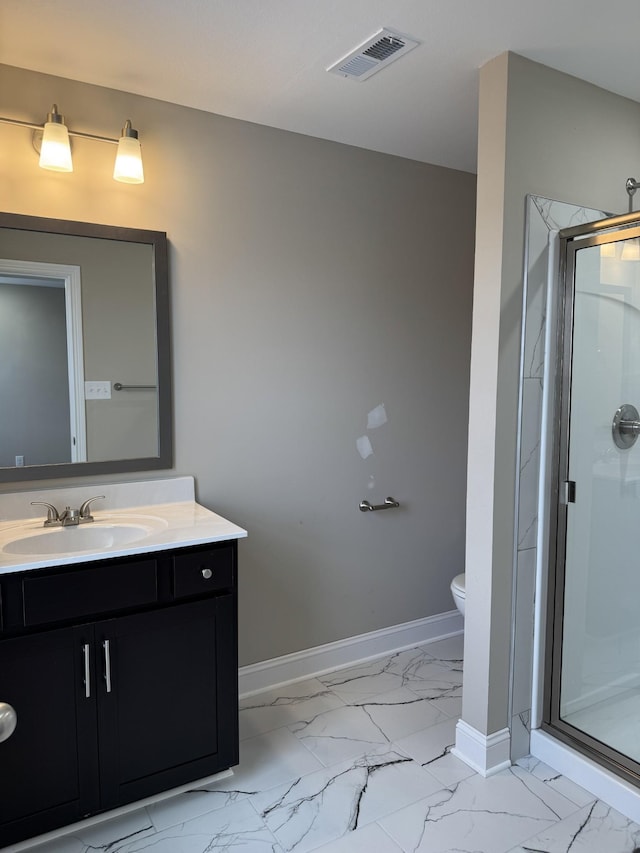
<point>121,664</point>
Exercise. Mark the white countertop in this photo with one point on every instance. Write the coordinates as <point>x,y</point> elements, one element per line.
<point>172,524</point>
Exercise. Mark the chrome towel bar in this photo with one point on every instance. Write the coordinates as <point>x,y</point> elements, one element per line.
<point>389,503</point>
<point>118,386</point>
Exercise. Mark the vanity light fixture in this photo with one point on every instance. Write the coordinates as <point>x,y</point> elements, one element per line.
<point>631,185</point>
<point>630,250</point>
<point>51,139</point>
<point>55,151</point>
<point>128,165</point>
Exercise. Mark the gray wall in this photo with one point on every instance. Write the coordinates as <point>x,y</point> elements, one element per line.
<point>310,282</point>
<point>553,135</point>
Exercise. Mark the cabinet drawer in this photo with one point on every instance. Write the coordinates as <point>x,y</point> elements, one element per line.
<point>88,592</point>
<point>202,571</point>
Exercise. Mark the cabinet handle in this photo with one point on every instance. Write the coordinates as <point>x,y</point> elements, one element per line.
<point>207,573</point>
<point>107,664</point>
<point>87,670</point>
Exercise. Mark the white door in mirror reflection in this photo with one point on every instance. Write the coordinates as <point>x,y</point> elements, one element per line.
<point>41,364</point>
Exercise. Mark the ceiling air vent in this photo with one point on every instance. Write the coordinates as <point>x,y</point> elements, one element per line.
<point>373,55</point>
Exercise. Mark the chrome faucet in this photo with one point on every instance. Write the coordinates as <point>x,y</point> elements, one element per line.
<point>70,517</point>
<point>52,519</point>
<point>85,515</point>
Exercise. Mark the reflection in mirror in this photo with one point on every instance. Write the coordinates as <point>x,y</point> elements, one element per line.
<point>37,368</point>
<point>84,360</point>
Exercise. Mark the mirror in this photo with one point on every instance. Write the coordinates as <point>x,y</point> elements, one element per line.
<point>84,349</point>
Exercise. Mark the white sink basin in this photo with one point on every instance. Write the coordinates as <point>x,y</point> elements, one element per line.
<point>95,536</point>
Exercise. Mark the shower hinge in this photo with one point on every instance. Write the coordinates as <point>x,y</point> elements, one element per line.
<point>569,491</point>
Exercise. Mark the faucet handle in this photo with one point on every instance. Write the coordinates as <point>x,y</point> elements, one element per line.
<point>85,515</point>
<point>52,513</point>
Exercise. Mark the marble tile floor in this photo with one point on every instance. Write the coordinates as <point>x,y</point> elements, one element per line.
<point>359,760</point>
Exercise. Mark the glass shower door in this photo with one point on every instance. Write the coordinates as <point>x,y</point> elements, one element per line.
<point>596,642</point>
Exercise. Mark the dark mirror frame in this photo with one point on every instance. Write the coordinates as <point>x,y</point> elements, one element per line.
<point>158,241</point>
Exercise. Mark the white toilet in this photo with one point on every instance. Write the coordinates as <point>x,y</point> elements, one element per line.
<point>458,592</point>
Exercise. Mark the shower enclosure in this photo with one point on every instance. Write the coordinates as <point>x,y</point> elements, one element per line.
<point>592,683</point>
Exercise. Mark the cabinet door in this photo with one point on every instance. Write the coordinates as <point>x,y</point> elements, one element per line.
<point>161,704</point>
<point>47,767</point>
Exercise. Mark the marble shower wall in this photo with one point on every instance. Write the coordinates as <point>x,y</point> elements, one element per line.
<point>543,216</point>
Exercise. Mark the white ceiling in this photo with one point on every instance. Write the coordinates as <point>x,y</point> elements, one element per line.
<point>264,60</point>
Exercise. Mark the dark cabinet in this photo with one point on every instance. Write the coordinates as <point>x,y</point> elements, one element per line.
<point>46,774</point>
<point>116,709</point>
<point>159,720</point>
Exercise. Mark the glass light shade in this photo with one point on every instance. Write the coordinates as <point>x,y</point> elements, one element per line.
<point>608,250</point>
<point>128,167</point>
<point>55,153</point>
<point>631,250</point>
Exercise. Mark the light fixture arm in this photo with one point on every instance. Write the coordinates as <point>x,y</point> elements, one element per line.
<point>631,186</point>
<point>16,122</point>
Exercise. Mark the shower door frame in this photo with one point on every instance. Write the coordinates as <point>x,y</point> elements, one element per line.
<point>571,240</point>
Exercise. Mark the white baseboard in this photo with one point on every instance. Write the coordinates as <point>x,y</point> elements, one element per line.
<point>308,663</point>
<point>611,789</point>
<point>486,754</point>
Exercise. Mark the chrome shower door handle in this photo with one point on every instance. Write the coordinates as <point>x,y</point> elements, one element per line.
<point>625,427</point>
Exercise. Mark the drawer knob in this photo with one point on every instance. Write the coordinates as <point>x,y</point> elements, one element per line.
<point>207,573</point>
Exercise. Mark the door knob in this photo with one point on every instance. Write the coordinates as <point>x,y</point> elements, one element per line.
<point>8,721</point>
